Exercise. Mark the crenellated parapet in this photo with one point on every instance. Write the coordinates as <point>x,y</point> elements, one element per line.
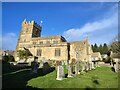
<point>25,22</point>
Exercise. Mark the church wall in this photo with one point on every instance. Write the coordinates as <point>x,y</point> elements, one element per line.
<point>49,53</point>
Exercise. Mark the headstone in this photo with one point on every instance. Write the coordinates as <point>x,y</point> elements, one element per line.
<point>60,73</point>
<point>77,68</point>
<point>65,62</point>
<point>62,62</point>
<point>116,66</point>
<point>92,65</point>
<point>83,66</point>
<point>34,66</point>
<point>46,68</point>
<point>87,66</point>
<point>41,64</point>
<point>70,74</point>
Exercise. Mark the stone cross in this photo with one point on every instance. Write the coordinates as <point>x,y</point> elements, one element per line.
<point>60,73</point>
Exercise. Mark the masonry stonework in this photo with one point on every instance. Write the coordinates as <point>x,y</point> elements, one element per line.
<point>50,47</point>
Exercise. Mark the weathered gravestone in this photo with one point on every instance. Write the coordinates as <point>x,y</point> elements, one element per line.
<point>77,68</point>
<point>41,64</point>
<point>70,74</point>
<point>46,68</point>
<point>116,66</point>
<point>83,66</point>
<point>92,64</point>
<point>60,73</point>
<point>87,65</point>
<point>60,70</point>
<point>62,62</point>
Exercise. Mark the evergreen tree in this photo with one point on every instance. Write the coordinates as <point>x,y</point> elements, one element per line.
<point>101,49</point>
<point>105,48</point>
<point>95,48</point>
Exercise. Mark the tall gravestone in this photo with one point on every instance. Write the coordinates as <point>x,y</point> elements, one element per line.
<point>83,66</point>
<point>46,68</point>
<point>70,74</point>
<point>116,66</point>
<point>77,68</point>
<point>60,71</point>
<point>92,64</point>
<point>41,64</point>
<point>87,66</point>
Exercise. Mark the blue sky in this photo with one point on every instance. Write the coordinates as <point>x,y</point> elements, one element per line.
<point>74,21</point>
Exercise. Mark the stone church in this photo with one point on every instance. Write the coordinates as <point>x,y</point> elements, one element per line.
<point>50,47</point>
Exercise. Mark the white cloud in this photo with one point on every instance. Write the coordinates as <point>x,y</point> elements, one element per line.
<point>105,24</point>
<point>8,41</point>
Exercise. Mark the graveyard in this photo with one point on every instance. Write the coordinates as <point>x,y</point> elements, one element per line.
<point>61,77</point>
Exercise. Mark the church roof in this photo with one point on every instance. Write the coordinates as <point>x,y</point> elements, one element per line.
<point>96,54</point>
<point>49,37</point>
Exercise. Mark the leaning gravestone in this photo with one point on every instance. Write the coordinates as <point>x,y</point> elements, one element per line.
<point>60,73</point>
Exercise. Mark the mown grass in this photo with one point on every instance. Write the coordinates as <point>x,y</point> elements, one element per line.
<point>101,77</point>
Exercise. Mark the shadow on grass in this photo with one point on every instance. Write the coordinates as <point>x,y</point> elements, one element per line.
<point>113,69</point>
<point>20,78</point>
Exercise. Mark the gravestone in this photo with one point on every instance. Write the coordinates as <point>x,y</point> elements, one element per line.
<point>116,66</point>
<point>87,66</point>
<point>70,74</point>
<point>62,62</point>
<point>83,66</point>
<point>60,73</point>
<point>66,62</point>
<point>41,64</point>
<point>46,68</point>
<point>77,68</point>
<point>92,65</point>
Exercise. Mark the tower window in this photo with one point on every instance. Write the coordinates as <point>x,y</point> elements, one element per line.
<point>39,52</point>
<point>57,52</point>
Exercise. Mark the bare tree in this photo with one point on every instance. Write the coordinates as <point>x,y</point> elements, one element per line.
<point>115,45</point>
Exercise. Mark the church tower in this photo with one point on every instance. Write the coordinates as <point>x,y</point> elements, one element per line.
<point>29,30</point>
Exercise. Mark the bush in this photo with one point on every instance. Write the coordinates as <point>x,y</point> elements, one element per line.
<point>5,58</point>
<point>108,60</point>
<point>8,58</point>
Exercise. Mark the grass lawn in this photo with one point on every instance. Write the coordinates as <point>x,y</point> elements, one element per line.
<point>101,77</point>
